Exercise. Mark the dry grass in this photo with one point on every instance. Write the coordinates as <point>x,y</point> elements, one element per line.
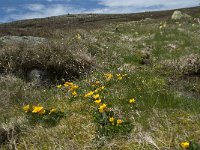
<point>164,114</point>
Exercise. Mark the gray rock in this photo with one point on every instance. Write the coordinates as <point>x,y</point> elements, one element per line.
<point>177,15</point>
<point>38,76</point>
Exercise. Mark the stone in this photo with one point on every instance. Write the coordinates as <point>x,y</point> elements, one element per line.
<point>38,76</point>
<point>177,15</point>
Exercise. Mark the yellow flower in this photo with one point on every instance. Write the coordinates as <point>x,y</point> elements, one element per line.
<point>89,94</point>
<point>101,110</point>
<point>96,91</point>
<point>38,109</point>
<point>97,82</point>
<point>73,87</point>
<point>119,77</point>
<point>185,145</point>
<point>26,108</point>
<point>119,121</point>
<point>132,101</point>
<point>74,93</point>
<point>124,75</point>
<point>52,110</point>
<point>101,88</point>
<point>59,86</point>
<point>96,96</point>
<point>103,106</point>
<point>78,36</point>
<point>108,76</point>
<point>98,101</point>
<point>111,119</point>
<point>68,84</point>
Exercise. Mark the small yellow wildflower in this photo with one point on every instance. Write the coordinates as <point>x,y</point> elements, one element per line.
<point>96,96</point>
<point>98,101</point>
<point>96,91</point>
<point>103,106</point>
<point>89,94</point>
<point>119,77</point>
<point>101,110</point>
<point>124,75</point>
<point>59,86</point>
<point>108,76</point>
<point>26,108</point>
<point>68,84</point>
<point>111,119</point>
<point>101,88</point>
<point>74,93</point>
<point>119,121</point>
<point>97,82</point>
<point>52,110</point>
<point>74,87</point>
<point>185,145</point>
<point>165,25</point>
<point>132,101</point>
<point>78,36</point>
<point>38,109</point>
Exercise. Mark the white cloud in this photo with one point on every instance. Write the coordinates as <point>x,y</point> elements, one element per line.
<point>108,6</point>
<point>41,11</point>
<point>167,4</point>
<point>10,9</point>
<point>34,7</point>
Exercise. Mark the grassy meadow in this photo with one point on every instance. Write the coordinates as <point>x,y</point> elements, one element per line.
<point>121,85</point>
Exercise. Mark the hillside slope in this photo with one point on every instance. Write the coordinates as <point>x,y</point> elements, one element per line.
<point>101,82</point>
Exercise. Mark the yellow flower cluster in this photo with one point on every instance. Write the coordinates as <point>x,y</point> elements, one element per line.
<point>37,110</point>
<point>71,87</point>
<point>109,76</point>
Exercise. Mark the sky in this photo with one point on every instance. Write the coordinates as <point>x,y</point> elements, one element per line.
<point>12,10</point>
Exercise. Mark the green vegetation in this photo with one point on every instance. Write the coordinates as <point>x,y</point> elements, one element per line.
<point>122,85</point>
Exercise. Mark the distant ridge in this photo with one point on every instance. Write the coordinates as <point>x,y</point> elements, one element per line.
<point>87,21</point>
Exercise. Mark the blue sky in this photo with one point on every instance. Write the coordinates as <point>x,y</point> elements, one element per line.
<point>11,10</point>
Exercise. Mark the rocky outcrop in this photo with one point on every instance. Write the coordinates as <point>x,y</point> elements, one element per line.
<point>177,15</point>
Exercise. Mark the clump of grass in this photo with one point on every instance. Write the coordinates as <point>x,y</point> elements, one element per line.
<point>58,60</point>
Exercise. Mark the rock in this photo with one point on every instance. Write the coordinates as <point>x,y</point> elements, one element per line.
<point>177,15</point>
<point>38,76</point>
